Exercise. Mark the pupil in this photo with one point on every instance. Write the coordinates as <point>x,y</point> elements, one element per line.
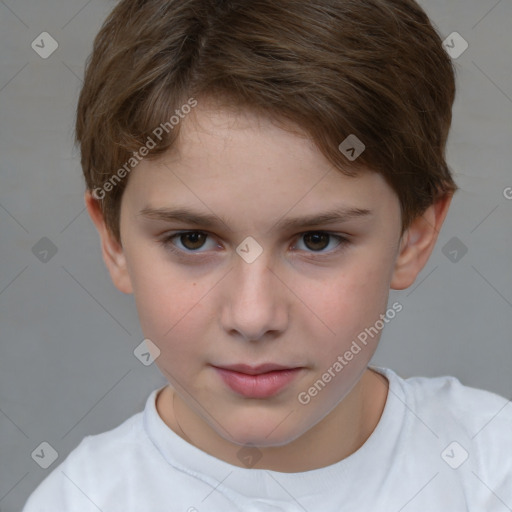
<point>315,237</point>
<point>194,237</point>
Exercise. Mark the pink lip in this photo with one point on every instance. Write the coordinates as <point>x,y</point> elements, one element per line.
<point>255,370</point>
<point>258,385</point>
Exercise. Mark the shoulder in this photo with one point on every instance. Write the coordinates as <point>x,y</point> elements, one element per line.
<point>467,422</point>
<point>77,481</point>
<point>447,406</point>
<point>472,408</point>
<point>113,447</point>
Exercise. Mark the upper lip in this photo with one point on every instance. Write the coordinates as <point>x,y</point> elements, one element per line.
<point>255,370</point>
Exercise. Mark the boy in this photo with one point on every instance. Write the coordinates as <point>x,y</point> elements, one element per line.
<point>261,174</point>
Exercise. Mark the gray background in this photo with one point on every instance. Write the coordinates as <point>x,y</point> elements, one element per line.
<point>67,367</point>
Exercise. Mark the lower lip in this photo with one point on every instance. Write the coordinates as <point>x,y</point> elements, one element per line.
<point>258,386</point>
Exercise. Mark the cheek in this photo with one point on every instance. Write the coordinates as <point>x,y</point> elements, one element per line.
<point>171,317</point>
<point>355,294</point>
<point>340,308</point>
<point>167,300</point>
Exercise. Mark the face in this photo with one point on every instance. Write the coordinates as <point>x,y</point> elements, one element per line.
<point>251,288</point>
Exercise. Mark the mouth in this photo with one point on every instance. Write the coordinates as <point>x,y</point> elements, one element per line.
<point>260,381</point>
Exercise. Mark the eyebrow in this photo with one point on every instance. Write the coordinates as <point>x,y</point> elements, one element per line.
<point>188,216</point>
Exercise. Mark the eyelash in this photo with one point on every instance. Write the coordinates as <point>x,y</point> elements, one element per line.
<point>166,242</point>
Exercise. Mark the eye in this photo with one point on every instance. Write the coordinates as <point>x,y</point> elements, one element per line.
<point>319,240</point>
<point>191,241</point>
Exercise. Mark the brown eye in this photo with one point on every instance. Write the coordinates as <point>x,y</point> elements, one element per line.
<point>185,242</point>
<point>316,241</point>
<point>321,244</point>
<point>195,238</point>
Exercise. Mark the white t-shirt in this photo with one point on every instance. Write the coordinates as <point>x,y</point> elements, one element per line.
<point>438,447</point>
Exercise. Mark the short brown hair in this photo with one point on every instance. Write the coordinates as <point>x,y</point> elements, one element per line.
<point>375,69</point>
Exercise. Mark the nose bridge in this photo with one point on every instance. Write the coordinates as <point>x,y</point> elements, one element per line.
<point>254,302</point>
<point>254,279</point>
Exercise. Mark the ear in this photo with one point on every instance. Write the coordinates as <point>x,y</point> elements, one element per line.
<point>112,250</point>
<point>418,242</point>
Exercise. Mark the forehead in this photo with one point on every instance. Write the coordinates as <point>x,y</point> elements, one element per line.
<point>239,162</point>
<point>226,132</point>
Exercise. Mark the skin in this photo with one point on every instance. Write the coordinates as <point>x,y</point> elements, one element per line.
<point>285,307</point>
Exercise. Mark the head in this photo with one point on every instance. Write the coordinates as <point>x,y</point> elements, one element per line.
<point>236,110</point>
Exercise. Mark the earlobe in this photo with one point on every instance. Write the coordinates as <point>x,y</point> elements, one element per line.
<point>418,243</point>
<point>111,249</point>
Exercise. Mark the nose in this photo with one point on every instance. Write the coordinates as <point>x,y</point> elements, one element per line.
<point>255,300</point>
